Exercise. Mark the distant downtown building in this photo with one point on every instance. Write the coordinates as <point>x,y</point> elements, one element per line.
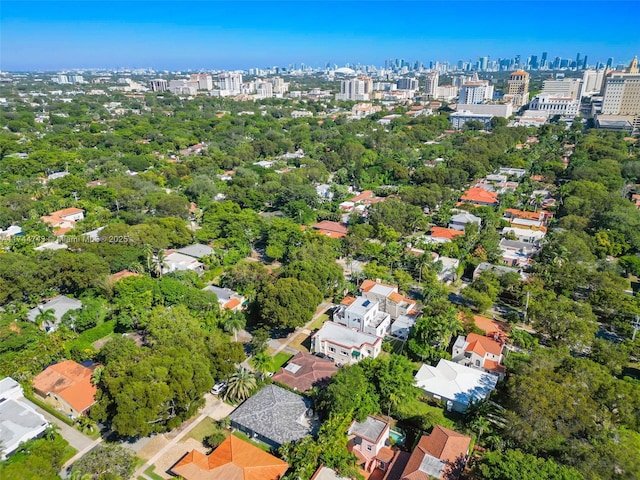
<point>205,82</point>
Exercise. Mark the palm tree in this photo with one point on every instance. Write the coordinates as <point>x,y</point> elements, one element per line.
<point>159,263</point>
<point>45,316</point>
<point>262,362</point>
<point>240,385</point>
<point>234,323</point>
<point>481,424</point>
<point>148,255</point>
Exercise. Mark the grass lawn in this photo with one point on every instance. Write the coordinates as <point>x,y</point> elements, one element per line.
<point>149,472</point>
<point>416,412</point>
<point>205,428</point>
<point>279,360</point>
<point>261,446</point>
<point>317,323</point>
<point>301,342</point>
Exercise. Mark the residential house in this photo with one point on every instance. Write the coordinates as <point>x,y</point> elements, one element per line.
<point>499,331</point>
<point>480,196</point>
<point>442,454</point>
<point>448,268</point>
<point>388,298</point>
<point>324,191</point>
<point>305,371</point>
<point>364,315</point>
<point>63,220</point>
<point>368,442</point>
<point>197,250</point>
<point>524,234</point>
<point>401,327</point>
<point>480,352</point>
<point>233,459</point>
<point>19,422</point>
<point>345,345</point>
<point>331,229</point>
<point>461,220</point>
<point>10,232</point>
<point>227,298</point>
<point>274,416</point>
<point>178,262</point>
<point>59,306</point>
<point>517,172</point>
<point>326,473</point>
<point>455,384</point>
<point>516,253</point>
<point>442,235</point>
<point>497,269</point>
<point>67,387</point>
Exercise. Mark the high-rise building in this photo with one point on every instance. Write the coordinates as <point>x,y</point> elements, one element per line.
<point>584,63</point>
<point>622,95</point>
<point>475,92</point>
<point>533,62</point>
<point>230,83</point>
<point>562,88</point>
<point>543,60</point>
<point>279,86</point>
<point>158,85</point>
<point>264,89</point>
<point>358,88</point>
<point>610,62</point>
<point>518,88</point>
<point>592,82</point>
<point>431,84</point>
<point>205,82</point>
<point>407,84</point>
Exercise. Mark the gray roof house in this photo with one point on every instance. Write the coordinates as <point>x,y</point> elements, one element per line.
<point>19,422</point>
<point>60,305</point>
<point>197,250</point>
<point>274,416</point>
<point>461,220</point>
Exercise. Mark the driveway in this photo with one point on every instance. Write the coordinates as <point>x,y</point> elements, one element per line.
<point>77,440</point>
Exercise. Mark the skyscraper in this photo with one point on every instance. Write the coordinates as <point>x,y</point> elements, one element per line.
<point>543,60</point>
<point>518,88</point>
<point>431,84</point>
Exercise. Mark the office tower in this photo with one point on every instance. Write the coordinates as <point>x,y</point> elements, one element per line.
<point>578,60</point>
<point>564,63</point>
<point>556,62</point>
<point>633,66</point>
<point>431,84</point>
<point>475,92</point>
<point>622,97</point>
<point>518,88</point>
<point>534,62</point>
<point>543,60</point>
<point>158,85</point>
<point>609,62</point>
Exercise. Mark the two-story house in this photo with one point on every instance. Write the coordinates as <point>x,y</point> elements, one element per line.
<point>388,298</point>
<point>364,315</point>
<point>345,345</point>
<point>368,442</point>
<point>477,351</point>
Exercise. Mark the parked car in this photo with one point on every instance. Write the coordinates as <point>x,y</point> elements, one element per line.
<point>218,388</point>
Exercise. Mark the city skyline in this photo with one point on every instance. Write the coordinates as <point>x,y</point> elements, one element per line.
<point>52,35</point>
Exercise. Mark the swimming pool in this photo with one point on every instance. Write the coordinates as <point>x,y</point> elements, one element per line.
<point>397,437</point>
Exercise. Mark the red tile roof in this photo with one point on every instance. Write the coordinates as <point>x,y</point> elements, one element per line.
<point>480,195</point>
<point>366,195</point>
<point>482,345</point>
<point>70,381</point>
<point>313,370</point>
<point>331,229</point>
<point>347,300</point>
<point>442,443</point>
<point>369,284</point>
<point>449,233</point>
<point>123,274</point>
<point>234,459</point>
<point>491,328</point>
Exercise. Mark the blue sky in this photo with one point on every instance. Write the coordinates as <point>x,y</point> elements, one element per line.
<point>241,34</point>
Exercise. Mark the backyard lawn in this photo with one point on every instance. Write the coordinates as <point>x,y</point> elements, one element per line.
<point>261,446</point>
<point>279,360</point>
<point>317,323</point>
